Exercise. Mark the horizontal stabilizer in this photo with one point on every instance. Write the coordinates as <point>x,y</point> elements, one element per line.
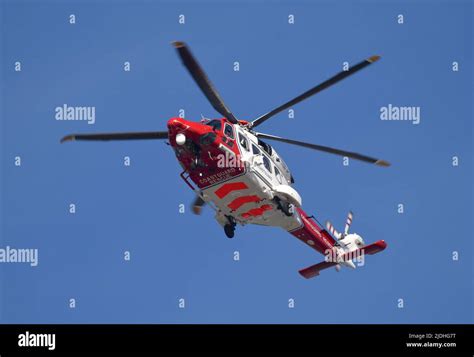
<point>313,270</point>
<point>374,247</point>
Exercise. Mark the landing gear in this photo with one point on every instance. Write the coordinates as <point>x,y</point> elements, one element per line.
<point>287,208</point>
<point>229,228</point>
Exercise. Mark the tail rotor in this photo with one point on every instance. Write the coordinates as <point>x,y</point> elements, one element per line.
<point>335,233</point>
<point>333,230</point>
<point>348,223</point>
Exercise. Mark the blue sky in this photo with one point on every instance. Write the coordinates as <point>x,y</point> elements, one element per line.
<point>136,208</point>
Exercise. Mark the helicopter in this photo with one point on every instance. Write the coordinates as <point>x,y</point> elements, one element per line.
<point>231,168</point>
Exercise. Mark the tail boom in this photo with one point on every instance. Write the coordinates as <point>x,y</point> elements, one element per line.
<point>313,234</point>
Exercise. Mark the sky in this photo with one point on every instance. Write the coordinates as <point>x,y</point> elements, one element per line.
<point>136,208</point>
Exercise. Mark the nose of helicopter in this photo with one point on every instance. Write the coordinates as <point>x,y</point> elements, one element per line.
<point>175,124</point>
<point>181,130</point>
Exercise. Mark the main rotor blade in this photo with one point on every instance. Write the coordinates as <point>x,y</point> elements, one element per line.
<point>333,80</point>
<point>352,155</point>
<point>203,81</point>
<point>117,136</point>
<point>198,204</point>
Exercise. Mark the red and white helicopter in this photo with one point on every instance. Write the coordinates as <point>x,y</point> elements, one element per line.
<point>228,165</point>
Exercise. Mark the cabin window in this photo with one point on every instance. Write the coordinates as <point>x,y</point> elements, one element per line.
<point>267,164</point>
<point>243,141</point>
<point>255,150</point>
<point>284,165</point>
<point>278,175</point>
<point>267,148</point>
<point>229,131</point>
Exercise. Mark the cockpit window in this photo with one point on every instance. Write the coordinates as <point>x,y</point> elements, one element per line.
<point>215,124</point>
<point>243,141</point>
<point>228,131</point>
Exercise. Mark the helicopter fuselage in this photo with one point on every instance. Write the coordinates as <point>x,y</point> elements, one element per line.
<point>242,178</point>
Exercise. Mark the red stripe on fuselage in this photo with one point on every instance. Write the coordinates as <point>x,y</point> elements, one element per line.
<point>255,212</point>
<point>240,201</point>
<point>227,188</point>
